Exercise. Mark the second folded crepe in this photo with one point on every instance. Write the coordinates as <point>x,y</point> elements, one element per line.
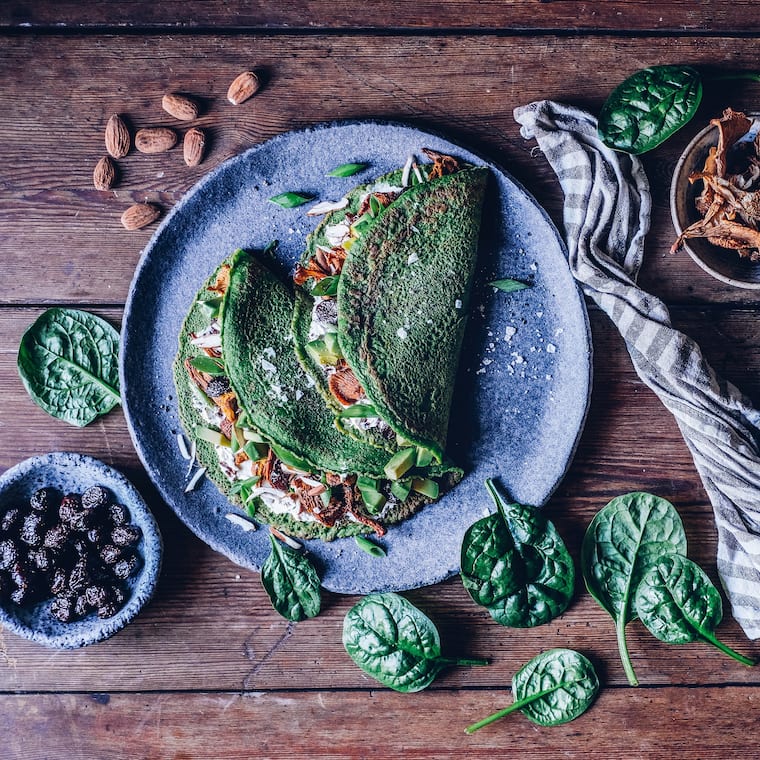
<point>380,317</point>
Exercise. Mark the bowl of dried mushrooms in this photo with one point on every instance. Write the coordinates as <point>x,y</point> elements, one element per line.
<point>715,199</point>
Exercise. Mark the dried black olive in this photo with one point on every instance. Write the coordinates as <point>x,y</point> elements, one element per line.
<point>59,581</point>
<point>43,499</point>
<point>41,558</point>
<point>11,520</point>
<point>68,510</point>
<point>110,554</point>
<point>218,386</point>
<point>125,535</point>
<point>9,553</point>
<point>81,606</point>
<point>56,537</point>
<point>32,529</point>
<point>125,567</point>
<point>80,576</point>
<point>96,536</point>
<point>63,608</point>
<point>83,520</point>
<point>96,595</point>
<point>118,514</point>
<point>109,609</point>
<point>95,497</point>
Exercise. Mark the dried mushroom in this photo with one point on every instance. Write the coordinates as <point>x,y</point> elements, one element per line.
<point>729,203</point>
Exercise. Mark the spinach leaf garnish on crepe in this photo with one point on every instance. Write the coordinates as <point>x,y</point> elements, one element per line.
<point>262,430</point>
<point>380,321</point>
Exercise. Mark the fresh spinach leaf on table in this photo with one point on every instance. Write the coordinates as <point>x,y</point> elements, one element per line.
<point>679,604</point>
<point>553,688</point>
<point>515,564</point>
<point>623,539</point>
<point>291,582</point>
<point>395,643</point>
<point>68,361</point>
<point>653,103</point>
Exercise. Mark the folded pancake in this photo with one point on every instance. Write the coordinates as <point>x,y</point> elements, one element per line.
<point>380,318</point>
<point>260,427</point>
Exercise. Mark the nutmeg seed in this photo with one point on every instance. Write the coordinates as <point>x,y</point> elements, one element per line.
<point>104,174</point>
<point>194,146</point>
<point>117,137</point>
<point>140,215</point>
<point>243,87</point>
<point>180,106</point>
<point>155,139</point>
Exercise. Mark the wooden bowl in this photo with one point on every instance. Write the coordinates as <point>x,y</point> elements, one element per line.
<point>722,263</point>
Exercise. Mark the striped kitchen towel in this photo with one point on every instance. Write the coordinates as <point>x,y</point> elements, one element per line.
<point>606,216</point>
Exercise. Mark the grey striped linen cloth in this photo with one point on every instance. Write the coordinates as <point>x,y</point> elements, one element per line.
<point>606,216</point>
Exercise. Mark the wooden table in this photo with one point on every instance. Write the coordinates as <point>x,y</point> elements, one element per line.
<point>208,670</point>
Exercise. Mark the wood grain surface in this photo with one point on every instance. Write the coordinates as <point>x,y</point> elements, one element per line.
<point>208,669</point>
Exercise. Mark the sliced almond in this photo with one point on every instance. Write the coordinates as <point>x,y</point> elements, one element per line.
<point>155,139</point>
<point>140,215</point>
<point>104,174</point>
<point>194,146</point>
<point>243,87</point>
<point>117,137</point>
<point>180,106</point>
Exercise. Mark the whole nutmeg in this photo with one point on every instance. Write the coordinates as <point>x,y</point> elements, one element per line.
<point>155,139</point>
<point>104,174</point>
<point>140,215</point>
<point>180,106</point>
<point>243,87</point>
<point>194,146</point>
<point>117,138</point>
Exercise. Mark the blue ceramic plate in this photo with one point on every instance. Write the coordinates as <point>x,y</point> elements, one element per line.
<point>525,378</point>
<point>68,472</point>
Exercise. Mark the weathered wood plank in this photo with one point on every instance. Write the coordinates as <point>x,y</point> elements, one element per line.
<point>630,443</point>
<point>465,86</point>
<point>678,723</point>
<point>677,16</point>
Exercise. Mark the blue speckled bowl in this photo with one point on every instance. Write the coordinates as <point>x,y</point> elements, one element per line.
<point>68,472</point>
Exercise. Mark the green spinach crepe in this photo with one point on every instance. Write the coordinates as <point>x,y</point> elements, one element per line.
<point>261,429</point>
<point>379,321</point>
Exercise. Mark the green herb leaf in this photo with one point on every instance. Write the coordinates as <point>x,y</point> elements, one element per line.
<point>291,582</point>
<point>358,410</point>
<point>553,688</point>
<point>240,485</point>
<point>68,361</point>
<point>623,539</point>
<point>290,459</point>
<point>515,564</point>
<point>509,286</point>
<point>327,286</point>
<point>346,170</point>
<point>208,365</point>
<point>678,603</point>
<point>649,107</point>
<point>371,548</point>
<point>290,199</point>
<point>395,643</point>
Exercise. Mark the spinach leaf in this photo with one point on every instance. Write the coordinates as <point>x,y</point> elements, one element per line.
<point>553,688</point>
<point>679,604</point>
<point>68,363</point>
<point>515,564</point>
<point>395,643</point>
<point>508,285</point>
<point>623,539</point>
<point>652,104</point>
<point>291,582</point>
<point>649,107</point>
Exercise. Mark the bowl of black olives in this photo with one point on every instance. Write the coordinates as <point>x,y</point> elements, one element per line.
<point>80,552</point>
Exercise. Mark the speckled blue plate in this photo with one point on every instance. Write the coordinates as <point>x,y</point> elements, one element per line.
<point>524,385</point>
<point>68,472</point>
